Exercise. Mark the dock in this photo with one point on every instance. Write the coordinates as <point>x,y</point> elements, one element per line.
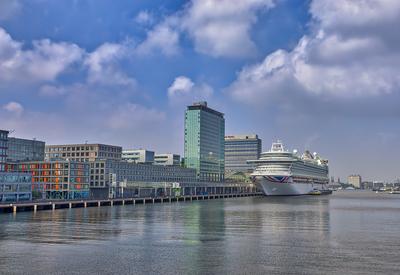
<point>54,205</point>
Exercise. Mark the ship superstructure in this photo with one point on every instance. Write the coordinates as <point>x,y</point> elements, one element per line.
<point>281,172</point>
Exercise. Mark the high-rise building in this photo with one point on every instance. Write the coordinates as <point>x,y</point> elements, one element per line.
<point>138,156</point>
<point>238,150</point>
<point>354,180</point>
<point>20,149</point>
<point>83,152</point>
<point>3,149</point>
<point>167,159</point>
<point>204,142</point>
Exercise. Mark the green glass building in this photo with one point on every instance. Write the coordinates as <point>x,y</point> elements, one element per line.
<point>204,142</point>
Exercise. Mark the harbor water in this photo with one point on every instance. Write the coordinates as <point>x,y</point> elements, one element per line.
<point>349,232</point>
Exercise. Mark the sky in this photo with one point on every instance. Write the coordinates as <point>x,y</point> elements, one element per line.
<point>320,75</point>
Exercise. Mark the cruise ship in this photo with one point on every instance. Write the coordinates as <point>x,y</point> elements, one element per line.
<point>283,173</point>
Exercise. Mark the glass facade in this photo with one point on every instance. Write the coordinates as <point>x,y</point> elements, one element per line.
<point>100,172</point>
<point>204,142</point>
<point>56,179</point>
<point>3,149</point>
<point>15,187</point>
<point>238,150</point>
<point>25,150</point>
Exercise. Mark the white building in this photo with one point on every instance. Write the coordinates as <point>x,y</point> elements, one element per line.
<point>354,180</point>
<point>138,156</point>
<point>167,159</point>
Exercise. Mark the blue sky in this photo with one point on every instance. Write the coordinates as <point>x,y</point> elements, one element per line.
<point>318,74</point>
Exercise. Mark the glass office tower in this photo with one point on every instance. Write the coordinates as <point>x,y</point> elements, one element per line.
<point>204,142</point>
<point>238,150</point>
<point>20,149</point>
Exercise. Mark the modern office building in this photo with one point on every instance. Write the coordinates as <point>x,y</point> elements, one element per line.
<point>15,186</point>
<point>3,149</point>
<point>104,172</point>
<point>167,159</point>
<point>63,179</point>
<point>20,149</point>
<point>238,150</point>
<point>204,142</point>
<point>83,152</point>
<point>138,156</point>
<point>354,180</point>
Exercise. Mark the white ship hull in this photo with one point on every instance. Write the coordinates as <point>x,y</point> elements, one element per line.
<point>287,188</point>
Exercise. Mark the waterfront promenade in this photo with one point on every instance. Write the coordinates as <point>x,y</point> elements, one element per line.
<point>207,193</point>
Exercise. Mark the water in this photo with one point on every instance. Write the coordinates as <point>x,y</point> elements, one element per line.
<point>345,233</point>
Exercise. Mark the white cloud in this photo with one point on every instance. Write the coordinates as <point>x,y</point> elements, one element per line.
<point>103,65</point>
<point>14,107</point>
<point>163,38</point>
<point>144,18</point>
<point>219,28</point>
<point>184,90</point>
<point>342,58</point>
<point>222,27</point>
<point>44,62</point>
<point>9,8</point>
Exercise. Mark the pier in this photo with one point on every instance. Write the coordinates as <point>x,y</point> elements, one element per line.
<point>58,204</point>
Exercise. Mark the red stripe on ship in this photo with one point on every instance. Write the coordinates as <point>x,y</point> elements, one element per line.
<point>274,179</point>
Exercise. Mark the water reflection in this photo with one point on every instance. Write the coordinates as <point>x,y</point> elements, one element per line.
<point>309,235</point>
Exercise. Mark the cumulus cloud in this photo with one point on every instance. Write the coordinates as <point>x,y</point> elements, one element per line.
<point>42,63</point>
<point>14,107</point>
<point>184,90</point>
<point>222,27</point>
<point>219,28</point>
<point>342,58</point>
<point>163,38</point>
<point>104,67</point>
<point>144,18</point>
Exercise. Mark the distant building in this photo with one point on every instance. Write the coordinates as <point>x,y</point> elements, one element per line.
<point>167,159</point>
<point>138,156</point>
<point>354,180</point>
<point>367,185</point>
<point>83,152</point>
<point>20,149</point>
<point>104,172</point>
<point>238,150</point>
<point>204,142</point>
<point>56,179</point>
<point>3,149</point>
<point>377,184</point>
